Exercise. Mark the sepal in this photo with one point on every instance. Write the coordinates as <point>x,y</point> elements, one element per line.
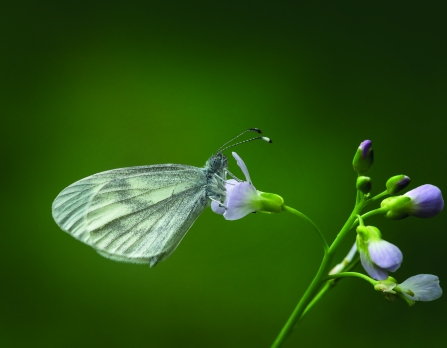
<point>394,206</point>
<point>386,285</point>
<point>271,203</point>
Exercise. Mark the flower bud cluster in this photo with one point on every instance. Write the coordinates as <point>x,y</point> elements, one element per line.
<point>378,256</point>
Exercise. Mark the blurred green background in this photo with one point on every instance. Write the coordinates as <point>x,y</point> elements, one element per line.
<point>91,86</point>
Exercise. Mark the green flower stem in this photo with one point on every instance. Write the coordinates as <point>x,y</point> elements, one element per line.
<point>320,294</point>
<point>374,212</point>
<point>357,196</point>
<point>301,215</point>
<point>319,279</point>
<point>375,198</point>
<point>305,301</point>
<point>360,220</point>
<point>353,274</point>
<point>370,213</point>
<point>347,226</point>
<point>327,286</point>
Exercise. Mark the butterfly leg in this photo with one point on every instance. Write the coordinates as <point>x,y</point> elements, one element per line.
<point>233,176</point>
<point>218,202</point>
<point>222,179</point>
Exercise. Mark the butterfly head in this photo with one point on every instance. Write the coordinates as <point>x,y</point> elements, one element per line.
<point>217,162</point>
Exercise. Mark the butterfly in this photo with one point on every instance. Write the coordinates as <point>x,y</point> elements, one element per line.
<point>141,214</point>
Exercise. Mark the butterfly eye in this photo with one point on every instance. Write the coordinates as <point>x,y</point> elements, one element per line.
<point>216,161</point>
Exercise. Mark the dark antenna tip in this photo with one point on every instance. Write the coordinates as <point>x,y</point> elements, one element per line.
<point>255,130</point>
<point>246,141</point>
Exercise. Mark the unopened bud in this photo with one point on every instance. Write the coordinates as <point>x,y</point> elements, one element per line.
<point>397,183</point>
<point>364,184</point>
<point>364,157</point>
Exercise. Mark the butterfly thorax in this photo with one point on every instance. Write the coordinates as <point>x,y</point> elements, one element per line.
<point>215,171</point>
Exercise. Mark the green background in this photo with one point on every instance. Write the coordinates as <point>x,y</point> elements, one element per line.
<point>91,86</point>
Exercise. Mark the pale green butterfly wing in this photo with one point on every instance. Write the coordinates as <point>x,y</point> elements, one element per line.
<point>137,214</point>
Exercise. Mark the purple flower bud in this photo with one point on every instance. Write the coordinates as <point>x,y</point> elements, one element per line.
<point>385,255</point>
<point>364,157</point>
<point>373,270</point>
<point>424,201</point>
<point>377,255</point>
<point>366,147</point>
<point>397,183</point>
<point>422,287</point>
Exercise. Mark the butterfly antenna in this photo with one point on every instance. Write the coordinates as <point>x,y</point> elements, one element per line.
<point>246,141</point>
<point>257,130</point>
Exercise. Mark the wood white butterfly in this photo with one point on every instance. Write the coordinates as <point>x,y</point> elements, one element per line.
<point>140,214</point>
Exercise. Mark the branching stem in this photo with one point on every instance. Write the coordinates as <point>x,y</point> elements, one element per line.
<point>315,286</point>
<point>304,217</point>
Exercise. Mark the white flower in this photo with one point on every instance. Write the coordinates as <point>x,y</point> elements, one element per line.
<point>421,287</point>
<point>242,198</point>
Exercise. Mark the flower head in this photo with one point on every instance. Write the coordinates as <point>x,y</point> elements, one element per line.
<point>424,201</point>
<point>421,287</point>
<point>242,198</point>
<point>364,157</point>
<point>377,255</point>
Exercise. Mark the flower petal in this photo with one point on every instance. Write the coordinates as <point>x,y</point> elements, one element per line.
<point>243,200</point>
<point>425,287</point>
<point>385,254</point>
<point>242,165</point>
<point>373,270</point>
<point>229,185</point>
<point>217,208</point>
<point>426,201</point>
